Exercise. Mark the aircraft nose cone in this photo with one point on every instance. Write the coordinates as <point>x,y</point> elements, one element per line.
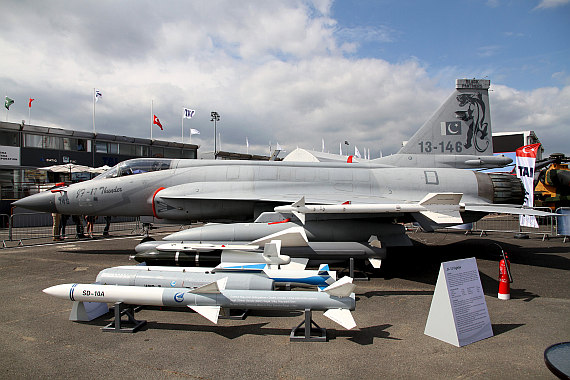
<point>43,202</point>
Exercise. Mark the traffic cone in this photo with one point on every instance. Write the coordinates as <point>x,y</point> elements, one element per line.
<point>504,280</point>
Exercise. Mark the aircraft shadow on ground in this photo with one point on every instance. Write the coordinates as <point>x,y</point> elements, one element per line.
<point>421,262</point>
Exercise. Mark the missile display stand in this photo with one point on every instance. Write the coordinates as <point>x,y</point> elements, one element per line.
<point>352,271</point>
<point>311,331</point>
<point>117,324</point>
<point>234,314</point>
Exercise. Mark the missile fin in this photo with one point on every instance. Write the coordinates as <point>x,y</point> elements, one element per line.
<point>212,288</point>
<point>376,263</point>
<point>341,288</point>
<point>299,203</point>
<point>323,269</point>
<point>300,216</point>
<point>442,207</point>
<point>341,316</point>
<point>291,237</point>
<point>211,313</point>
<point>239,267</point>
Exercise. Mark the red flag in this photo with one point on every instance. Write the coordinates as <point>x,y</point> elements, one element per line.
<point>157,122</point>
<point>30,103</point>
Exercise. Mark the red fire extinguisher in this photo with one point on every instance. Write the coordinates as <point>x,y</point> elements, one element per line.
<point>505,277</point>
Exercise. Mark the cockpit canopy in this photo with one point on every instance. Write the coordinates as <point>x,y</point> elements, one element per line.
<point>137,166</point>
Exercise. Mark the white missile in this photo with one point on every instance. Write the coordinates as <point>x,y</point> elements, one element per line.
<point>439,207</point>
<point>336,300</point>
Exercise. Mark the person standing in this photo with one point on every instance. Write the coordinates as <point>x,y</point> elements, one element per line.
<point>55,230</point>
<point>90,219</point>
<point>62,225</point>
<point>107,226</point>
<point>77,219</point>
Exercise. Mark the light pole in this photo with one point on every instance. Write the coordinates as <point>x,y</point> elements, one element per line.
<point>215,119</point>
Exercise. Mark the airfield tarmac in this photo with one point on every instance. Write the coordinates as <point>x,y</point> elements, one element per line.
<point>38,341</point>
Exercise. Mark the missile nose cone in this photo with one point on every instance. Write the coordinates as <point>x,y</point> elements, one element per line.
<point>43,202</point>
<point>59,291</point>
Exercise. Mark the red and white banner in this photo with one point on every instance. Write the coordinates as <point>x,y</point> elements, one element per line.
<point>526,158</point>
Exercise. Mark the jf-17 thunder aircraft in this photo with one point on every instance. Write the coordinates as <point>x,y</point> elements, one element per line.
<point>345,209</point>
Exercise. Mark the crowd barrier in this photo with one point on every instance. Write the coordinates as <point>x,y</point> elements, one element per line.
<point>35,228</point>
<point>548,226</point>
<point>563,222</point>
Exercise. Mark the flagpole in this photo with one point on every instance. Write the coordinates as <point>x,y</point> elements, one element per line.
<point>151,117</point>
<point>29,113</point>
<point>183,126</point>
<point>93,110</point>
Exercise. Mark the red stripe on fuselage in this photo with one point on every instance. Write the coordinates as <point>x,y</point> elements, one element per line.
<point>154,195</point>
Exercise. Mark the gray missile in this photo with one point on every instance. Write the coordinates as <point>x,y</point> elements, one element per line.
<point>155,277</point>
<point>337,300</point>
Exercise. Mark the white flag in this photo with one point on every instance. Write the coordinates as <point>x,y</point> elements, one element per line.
<point>194,131</point>
<point>323,145</point>
<point>188,113</point>
<point>525,163</point>
<point>98,95</point>
<point>278,147</point>
<point>356,152</point>
<point>246,142</point>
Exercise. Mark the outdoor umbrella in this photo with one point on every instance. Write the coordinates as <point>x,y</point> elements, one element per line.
<point>66,168</point>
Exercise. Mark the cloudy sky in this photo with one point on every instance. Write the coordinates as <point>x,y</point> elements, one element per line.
<point>293,72</point>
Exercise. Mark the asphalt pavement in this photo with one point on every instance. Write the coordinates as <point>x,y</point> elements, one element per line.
<point>38,341</point>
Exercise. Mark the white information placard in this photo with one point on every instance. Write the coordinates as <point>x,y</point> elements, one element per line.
<point>9,155</point>
<point>458,314</point>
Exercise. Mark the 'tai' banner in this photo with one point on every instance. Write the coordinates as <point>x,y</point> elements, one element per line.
<point>526,158</point>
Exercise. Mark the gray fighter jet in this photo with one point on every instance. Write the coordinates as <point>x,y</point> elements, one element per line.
<point>339,195</point>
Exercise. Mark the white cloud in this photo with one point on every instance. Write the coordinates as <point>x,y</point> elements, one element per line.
<point>274,71</point>
<point>546,4</point>
<point>545,111</point>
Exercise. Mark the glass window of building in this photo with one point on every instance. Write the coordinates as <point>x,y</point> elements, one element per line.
<point>83,145</point>
<point>69,144</point>
<point>188,153</point>
<point>113,148</point>
<point>9,138</point>
<point>100,147</point>
<point>127,149</point>
<point>52,142</point>
<point>172,152</point>
<point>142,151</point>
<point>32,141</point>
<point>157,151</point>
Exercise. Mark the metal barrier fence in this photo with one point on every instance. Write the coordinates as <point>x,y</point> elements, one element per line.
<point>510,223</point>
<point>548,226</point>
<point>35,228</point>
<point>563,222</point>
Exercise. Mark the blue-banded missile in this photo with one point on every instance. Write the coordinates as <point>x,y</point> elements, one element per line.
<point>337,300</point>
<point>240,276</point>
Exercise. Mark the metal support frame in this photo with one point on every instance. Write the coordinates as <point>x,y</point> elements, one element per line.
<point>312,331</point>
<point>117,324</point>
<point>234,314</point>
<point>351,272</point>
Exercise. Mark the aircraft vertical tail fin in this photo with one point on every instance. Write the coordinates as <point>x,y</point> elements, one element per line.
<point>461,126</point>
